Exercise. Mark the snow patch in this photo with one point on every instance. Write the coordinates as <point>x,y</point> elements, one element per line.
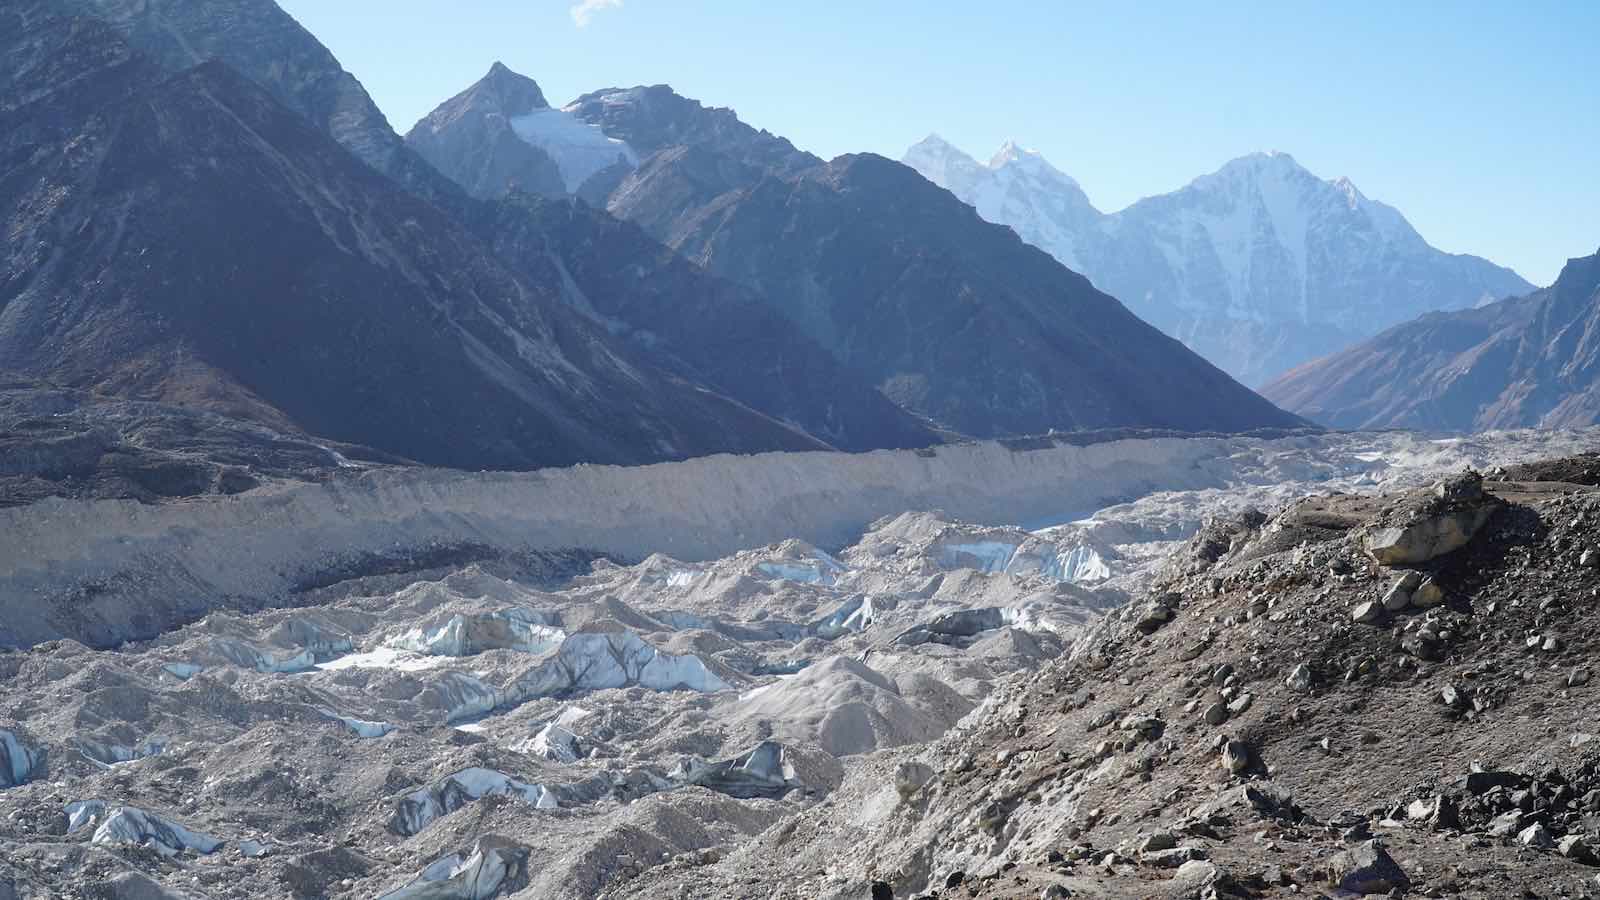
<point>579,149</point>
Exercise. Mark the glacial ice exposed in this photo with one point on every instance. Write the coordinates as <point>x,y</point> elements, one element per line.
<point>118,824</point>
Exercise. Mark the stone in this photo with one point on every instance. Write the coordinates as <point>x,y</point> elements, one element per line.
<point>1054,892</point>
<point>1482,782</point>
<point>1368,869</point>
<point>1574,847</point>
<point>910,776</point>
<point>1217,713</point>
<point>1466,487</point>
<point>954,879</point>
<point>1552,644</point>
<point>1429,534</point>
<point>1240,704</point>
<point>1368,613</point>
<point>1173,858</point>
<point>1454,697</point>
<point>1235,757</point>
<point>1506,824</point>
<point>1428,594</point>
<point>1299,679</point>
<point>1535,836</point>
<point>1399,595</point>
<point>1589,559</point>
<point>1157,841</point>
<point>882,891</point>
<point>1147,727</point>
<point>1154,615</point>
<point>1196,876</point>
<point>1191,652</point>
<point>1269,801</point>
<point>1439,812</point>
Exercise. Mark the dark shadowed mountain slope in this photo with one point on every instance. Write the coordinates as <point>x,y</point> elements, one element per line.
<point>953,318</point>
<point>264,43</point>
<point>701,326</point>
<point>472,140</point>
<point>1528,361</point>
<point>186,238</point>
<point>712,330</point>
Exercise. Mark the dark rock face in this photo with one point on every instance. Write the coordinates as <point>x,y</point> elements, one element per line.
<point>711,330</point>
<point>266,45</point>
<point>186,238</point>
<point>62,443</point>
<point>1530,361</point>
<point>470,139</point>
<point>952,317</point>
<point>656,118</point>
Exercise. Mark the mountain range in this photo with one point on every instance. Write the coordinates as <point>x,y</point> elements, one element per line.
<point>1525,362</point>
<point>1259,266</point>
<point>953,318</point>
<point>232,249</point>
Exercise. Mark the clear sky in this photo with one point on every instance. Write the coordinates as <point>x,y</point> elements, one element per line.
<point>1478,120</point>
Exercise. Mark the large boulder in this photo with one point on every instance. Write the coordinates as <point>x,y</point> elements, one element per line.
<point>1434,524</point>
<point>1368,869</point>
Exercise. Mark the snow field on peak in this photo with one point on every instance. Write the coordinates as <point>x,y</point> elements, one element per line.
<point>580,150</point>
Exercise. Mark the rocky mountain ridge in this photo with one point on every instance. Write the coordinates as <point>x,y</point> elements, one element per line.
<point>1528,361</point>
<point>1259,266</point>
<point>228,254</point>
<point>954,320</point>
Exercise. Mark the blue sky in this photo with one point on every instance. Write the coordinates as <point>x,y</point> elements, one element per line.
<point>1477,120</point>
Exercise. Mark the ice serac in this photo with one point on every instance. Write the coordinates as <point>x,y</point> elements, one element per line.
<point>1008,341</point>
<point>1259,266</point>
<point>492,867</point>
<point>588,662</point>
<point>523,630</point>
<point>419,809</point>
<point>119,824</point>
<point>1530,361</point>
<point>761,771</point>
<point>17,760</point>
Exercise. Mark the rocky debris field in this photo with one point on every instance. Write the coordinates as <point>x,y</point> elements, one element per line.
<point>1282,713</point>
<point>56,442</point>
<point>1180,693</point>
<point>474,735</point>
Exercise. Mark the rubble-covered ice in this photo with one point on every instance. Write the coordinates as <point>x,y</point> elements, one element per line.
<point>845,610</point>
<point>491,867</point>
<point>523,630</point>
<point>119,824</point>
<point>613,660</point>
<point>419,809</point>
<point>17,760</point>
